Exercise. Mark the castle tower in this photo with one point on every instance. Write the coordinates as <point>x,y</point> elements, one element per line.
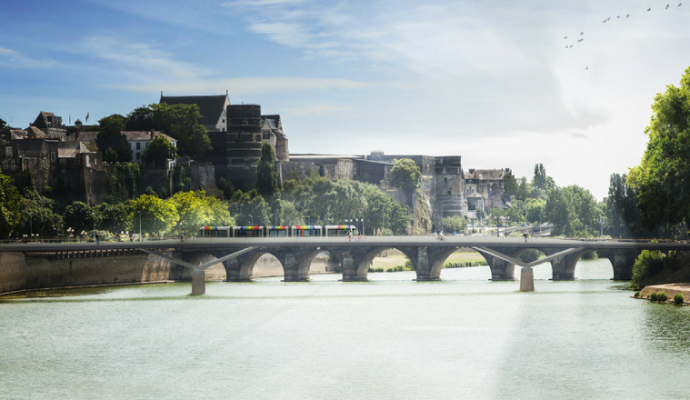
<point>243,144</point>
<point>450,184</point>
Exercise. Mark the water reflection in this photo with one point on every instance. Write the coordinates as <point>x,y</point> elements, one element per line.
<point>667,328</point>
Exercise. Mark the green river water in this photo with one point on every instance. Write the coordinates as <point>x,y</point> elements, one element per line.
<point>390,338</point>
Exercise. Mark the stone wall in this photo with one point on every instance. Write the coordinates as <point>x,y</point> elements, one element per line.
<point>203,176</point>
<point>18,272</point>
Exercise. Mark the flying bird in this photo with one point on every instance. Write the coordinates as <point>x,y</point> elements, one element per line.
<point>582,33</point>
<point>580,40</point>
<point>627,16</point>
<point>565,37</point>
<point>667,6</point>
<point>586,68</point>
<point>618,16</point>
<point>649,9</point>
<point>680,4</point>
<point>570,46</point>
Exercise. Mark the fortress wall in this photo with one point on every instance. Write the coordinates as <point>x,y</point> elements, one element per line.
<point>18,272</point>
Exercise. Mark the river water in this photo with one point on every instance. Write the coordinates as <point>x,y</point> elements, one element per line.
<point>390,338</point>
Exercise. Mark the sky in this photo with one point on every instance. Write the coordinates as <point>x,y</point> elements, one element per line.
<point>504,84</point>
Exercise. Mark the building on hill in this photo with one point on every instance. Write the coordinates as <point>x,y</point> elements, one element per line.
<point>212,109</point>
<point>138,140</point>
<point>50,124</point>
<point>484,189</point>
<point>272,133</point>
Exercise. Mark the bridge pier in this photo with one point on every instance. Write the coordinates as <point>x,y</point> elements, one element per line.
<point>623,262</point>
<point>527,279</point>
<point>563,268</point>
<point>198,282</point>
<point>501,270</point>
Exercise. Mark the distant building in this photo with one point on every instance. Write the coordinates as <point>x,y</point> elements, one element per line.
<point>139,140</point>
<point>212,109</point>
<point>50,124</point>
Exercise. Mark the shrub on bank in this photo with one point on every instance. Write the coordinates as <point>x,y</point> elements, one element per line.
<point>637,294</point>
<point>678,299</point>
<point>654,296</point>
<point>661,297</point>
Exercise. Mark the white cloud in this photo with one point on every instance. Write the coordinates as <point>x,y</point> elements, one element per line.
<point>247,86</point>
<point>14,59</point>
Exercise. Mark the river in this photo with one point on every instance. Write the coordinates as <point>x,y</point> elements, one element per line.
<point>390,338</point>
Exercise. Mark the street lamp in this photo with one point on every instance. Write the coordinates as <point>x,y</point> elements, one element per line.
<point>308,220</point>
<point>31,228</point>
<point>93,216</point>
<point>139,225</point>
<point>251,223</point>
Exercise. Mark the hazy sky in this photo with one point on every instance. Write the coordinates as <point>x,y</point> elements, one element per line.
<point>491,81</point>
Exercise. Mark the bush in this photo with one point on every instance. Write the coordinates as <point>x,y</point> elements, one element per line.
<point>637,294</point>
<point>590,255</point>
<point>653,296</point>
<point>678,299</point>
<point>661,297</point>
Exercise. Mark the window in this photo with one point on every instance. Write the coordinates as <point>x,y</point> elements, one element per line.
<point>4,164</point>
<point>267,136</point>
<point>138,156</point>
<point>138,146</point>
<point>8,152</point>
<point>52,157</point>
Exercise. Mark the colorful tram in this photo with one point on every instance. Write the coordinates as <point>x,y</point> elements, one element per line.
<point>277,231</point>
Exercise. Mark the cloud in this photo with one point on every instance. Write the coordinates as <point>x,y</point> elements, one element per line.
<point>247,86</point>
<point>317,109</point>
<point>14,59</point>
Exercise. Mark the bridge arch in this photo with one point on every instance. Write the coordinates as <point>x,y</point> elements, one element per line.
<point>241,269</point>
<point>366,260</point>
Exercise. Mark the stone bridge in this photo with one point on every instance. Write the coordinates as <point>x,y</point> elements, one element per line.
<point>428,255</point>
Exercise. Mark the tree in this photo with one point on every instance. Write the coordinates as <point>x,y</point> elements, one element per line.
<point>79,216</point>
<point>157,215</point>
<point>662,180</point>
<point>113,217</point>
<point>180,121</point>
<point>110,139</point>
<point>38,216</point>
<point>248,207</point>
<point>405,174</point>
<point>266,176</point>
<point>10,203</point>
<point>3,124</point>
<point>197,209</point>
<point>159,152</point>
<point>510,185</point>
<point>573,211</point>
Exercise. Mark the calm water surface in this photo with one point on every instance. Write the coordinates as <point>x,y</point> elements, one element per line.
<point>390,338</point>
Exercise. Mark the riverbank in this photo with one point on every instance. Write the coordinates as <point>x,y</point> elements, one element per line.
<point>671,289</point>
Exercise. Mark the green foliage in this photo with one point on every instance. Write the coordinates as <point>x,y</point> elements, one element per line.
<point>180,179</point>
<point>248,207</point>
<point>454,224</point>
<point>3,124</point>
<point>405,174</point>
<point>226,187</point>
<point>197,209</point>
<point>113,217</point>
<point>10,204</point>
<point>650,263</point>
<point>158,152</point>
<point>79,216</point>
<point>37,215</point>
<point>678,299</point>
<point>111,141</point>
<point>590,255</point>
<point>661,297</point>
<point>510,185</point>
<point>541,182</point>
<point>124,181</point>
<point>382,212</point>
<point>157,215</point>
<point>180,121</point>
<point>266,176</point>
<point>573,211</point>
<point>534,210</point>
<point>530,255</point>
<point>654,296</point>
<point>662,180</point>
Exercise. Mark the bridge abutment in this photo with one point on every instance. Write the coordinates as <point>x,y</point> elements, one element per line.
<point>527,279</point>
<point>198,282</point>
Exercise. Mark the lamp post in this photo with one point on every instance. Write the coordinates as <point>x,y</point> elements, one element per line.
<point>93,216</point>
<point>251,222</point>
<point>308,220</point>
<point>139,226</point>
<point>31,228</point>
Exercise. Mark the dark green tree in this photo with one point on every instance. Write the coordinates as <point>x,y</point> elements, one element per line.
<point>3,124</point>
<point>79,216</point>
<point>110,138</point>
<point>405,174</point>
<point>180,121</point>
<point>662,180</point>
<point>38,216</point>
<point>266,176</point>
<point>159,152</point>
<point>113,217</point>
<point>247,207</point>
<point>10,203</point>
<point>510,185</point>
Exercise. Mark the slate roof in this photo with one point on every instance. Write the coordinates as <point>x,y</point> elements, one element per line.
<point>71,149</point>
<point>83,137</point>
<point>17,134</point>
<point>211,107</point>
<point>486,174</point>
<point>145,135</point>
<point>35,133</point>
<point>30,148</point>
